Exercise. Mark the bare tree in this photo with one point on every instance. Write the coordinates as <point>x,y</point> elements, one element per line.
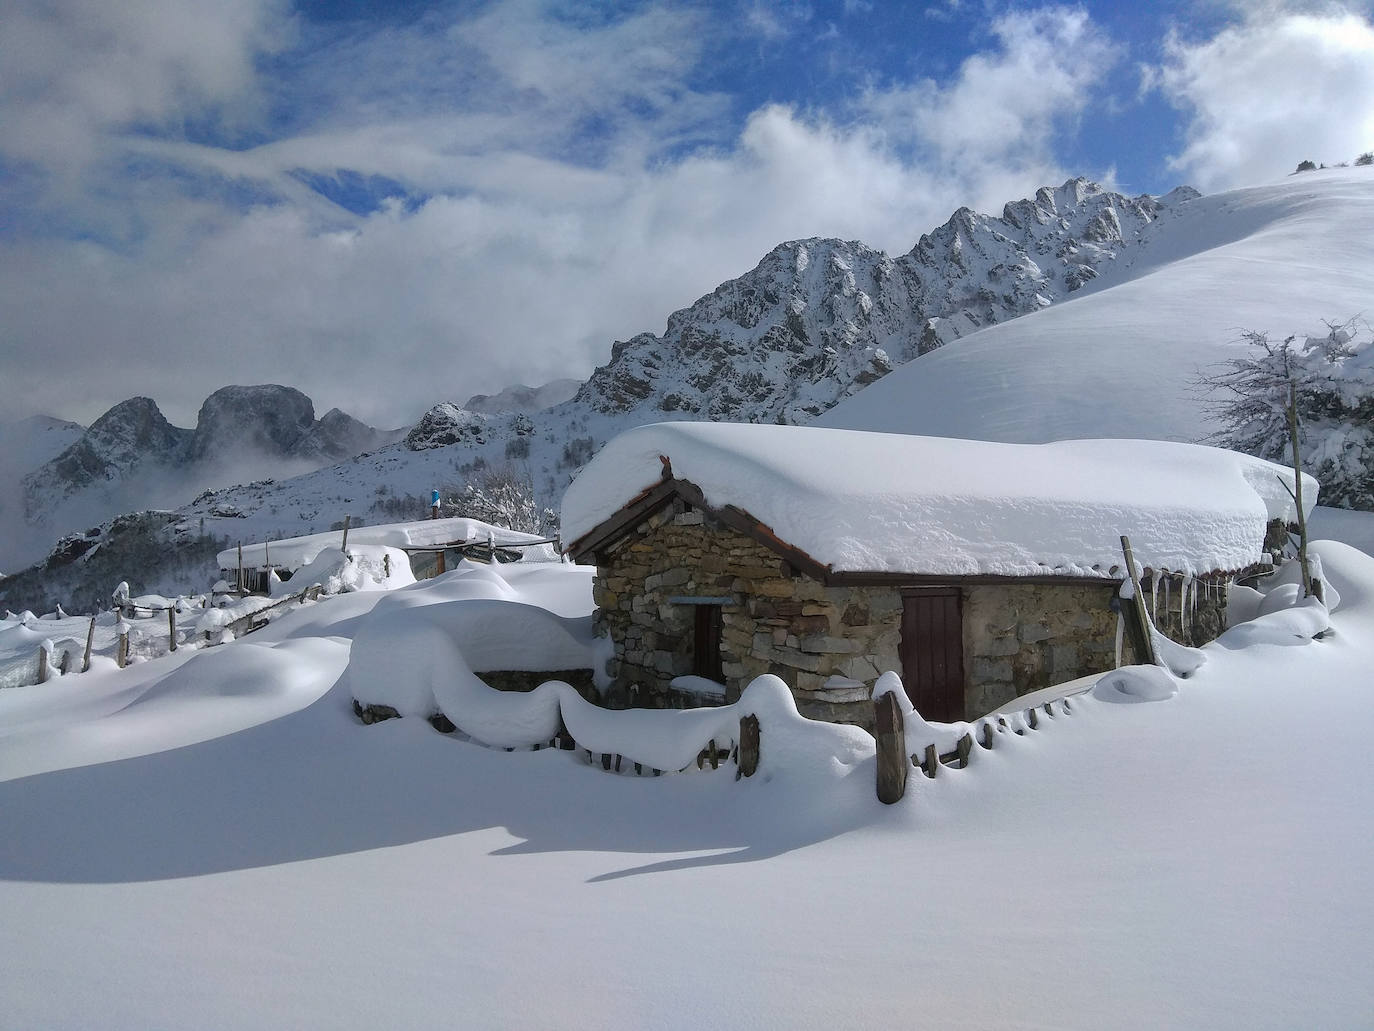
<point>504,496</point>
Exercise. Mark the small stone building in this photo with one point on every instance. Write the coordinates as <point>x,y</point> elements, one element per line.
<point>977,571</point>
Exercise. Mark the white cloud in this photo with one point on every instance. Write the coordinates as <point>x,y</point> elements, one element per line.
<point>72,71</point>
<point>1277,89</point>
<point>1006,106</point>
<point>579,190</point>
<point>773,21</point>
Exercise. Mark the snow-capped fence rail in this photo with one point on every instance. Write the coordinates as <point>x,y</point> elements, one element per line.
<point>22,672</point>
<point>743,750</point>
<point>761,731</point>
<point>38,666</point>
<point>257,619</point>
<point>894,753</point>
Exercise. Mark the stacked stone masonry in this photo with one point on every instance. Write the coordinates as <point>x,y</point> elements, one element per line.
<point>830,643</point>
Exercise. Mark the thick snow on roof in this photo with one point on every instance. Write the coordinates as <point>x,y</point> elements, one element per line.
<point>295,552</point>
<point>889,502</point>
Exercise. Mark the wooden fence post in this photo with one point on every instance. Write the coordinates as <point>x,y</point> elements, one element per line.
<point>172,625</point>
<point>891,740</point>
<point>964,748</point>
<point>748,745</point>
<point>932,763</point>
<point>66,662</point>
<point>1141,632</point>
<point>122,648</point>
<point>42,665</point>
<point>344,546</point>
<point>239,583</point>
<point>90,638</point>
<point>564,739</point>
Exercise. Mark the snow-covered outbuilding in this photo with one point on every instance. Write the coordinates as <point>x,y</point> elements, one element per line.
<point>430,545</point>
<point>979,571</point>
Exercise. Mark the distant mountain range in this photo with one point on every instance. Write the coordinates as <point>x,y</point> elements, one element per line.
<point>816,323</point>
<point>133,457</point>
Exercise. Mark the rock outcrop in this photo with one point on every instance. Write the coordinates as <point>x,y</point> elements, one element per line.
<point>817,320</point>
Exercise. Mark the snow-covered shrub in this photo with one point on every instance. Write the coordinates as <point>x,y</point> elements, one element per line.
<point>1334,376</point>
<point>502,496</point>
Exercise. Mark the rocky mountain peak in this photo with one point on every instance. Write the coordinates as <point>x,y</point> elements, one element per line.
<point>112,448</point>
<point>814,320</point>
<point>133,427</point>
<point>268,419</point>
<point>818,318</point>
<point>977,270</point>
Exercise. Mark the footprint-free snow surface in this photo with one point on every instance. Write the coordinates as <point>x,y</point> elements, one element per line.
<point>1122,357</point>
<point>213,840</point>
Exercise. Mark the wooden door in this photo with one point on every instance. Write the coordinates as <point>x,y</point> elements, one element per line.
<point>932,653</point>
<point>706,651</point>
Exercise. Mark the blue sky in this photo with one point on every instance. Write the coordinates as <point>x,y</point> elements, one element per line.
<point>335,194</point>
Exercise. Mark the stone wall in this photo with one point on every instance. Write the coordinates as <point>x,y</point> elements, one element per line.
<point>829,643</point>
<point>824,642</point>
<point>1022,637</point>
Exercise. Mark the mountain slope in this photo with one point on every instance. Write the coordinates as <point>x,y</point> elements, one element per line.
<point>133,458</point>
<point>1141,294</point>
<point>1122,359</point>
<point>817,320</point>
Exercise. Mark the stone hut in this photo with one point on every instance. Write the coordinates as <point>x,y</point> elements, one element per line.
<point>978,571</point>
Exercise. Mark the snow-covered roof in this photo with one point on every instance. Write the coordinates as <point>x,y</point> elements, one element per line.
<point>878,502</point>
<point>295,552</point>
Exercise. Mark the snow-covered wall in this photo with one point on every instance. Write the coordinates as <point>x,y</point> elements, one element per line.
<point>295,552</point>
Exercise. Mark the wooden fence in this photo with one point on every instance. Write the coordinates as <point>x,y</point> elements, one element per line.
<point>893,765</point>
<point>38,667</point>
<point>743,751</point>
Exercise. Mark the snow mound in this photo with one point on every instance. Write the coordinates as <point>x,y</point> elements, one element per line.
<point>1133,684</point>
<point>877,502</point>
<point>421,648</point>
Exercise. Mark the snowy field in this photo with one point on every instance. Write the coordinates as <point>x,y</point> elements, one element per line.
<point>213,840</point>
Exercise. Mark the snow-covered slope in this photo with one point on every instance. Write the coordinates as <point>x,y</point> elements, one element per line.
<point>1122,357</point>
<point>213,839</point>
<point>818,319</point>
<point>24,446</point>
<point>28,443</point>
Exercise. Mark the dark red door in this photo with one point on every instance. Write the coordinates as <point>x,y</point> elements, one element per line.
<point>706,656</point>
<point>932,652</point>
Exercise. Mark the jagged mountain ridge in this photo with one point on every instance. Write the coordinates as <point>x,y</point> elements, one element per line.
<point>132,454</point>
<point>524,398</point>
<point>113,447</point>
<point>817,320</point>
<point>269,420</point>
